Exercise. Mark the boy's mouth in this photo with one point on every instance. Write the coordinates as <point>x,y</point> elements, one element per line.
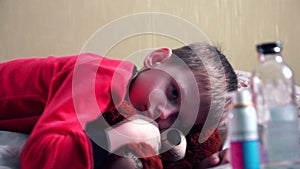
<point>150,113</point>
<point>147,113</point>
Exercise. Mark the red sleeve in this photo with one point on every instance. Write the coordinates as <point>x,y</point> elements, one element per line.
<point>24,91</point>
<point>64,94</point>
<point>57,151</point>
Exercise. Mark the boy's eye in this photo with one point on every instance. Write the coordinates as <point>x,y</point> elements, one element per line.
<point>173,93</point>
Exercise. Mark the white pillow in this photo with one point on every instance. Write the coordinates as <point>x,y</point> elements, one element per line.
<point>11,144</point>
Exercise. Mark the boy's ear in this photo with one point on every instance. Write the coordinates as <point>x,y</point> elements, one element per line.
<point>157,56</point>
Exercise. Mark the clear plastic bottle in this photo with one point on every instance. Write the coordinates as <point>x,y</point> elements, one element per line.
<point>273,90</point>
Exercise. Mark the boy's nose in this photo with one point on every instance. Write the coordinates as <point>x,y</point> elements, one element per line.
<point>166,112</point>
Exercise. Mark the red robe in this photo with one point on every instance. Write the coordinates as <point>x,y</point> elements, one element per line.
<point>53,98</point>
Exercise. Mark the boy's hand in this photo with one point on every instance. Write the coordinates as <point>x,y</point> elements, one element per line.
<point>133,131</point>
<point>219,158</point>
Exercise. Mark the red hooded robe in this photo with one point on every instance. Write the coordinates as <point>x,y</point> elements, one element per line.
<point>53,98</point>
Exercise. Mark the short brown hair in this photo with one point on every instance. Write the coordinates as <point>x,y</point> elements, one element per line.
<point>212,72</point>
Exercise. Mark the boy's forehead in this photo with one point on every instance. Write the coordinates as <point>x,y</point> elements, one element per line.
<point>175,68</point>
<point>180,72</point>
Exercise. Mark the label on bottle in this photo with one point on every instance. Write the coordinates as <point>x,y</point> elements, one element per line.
<point>245,155</point>
<point>243,125</point>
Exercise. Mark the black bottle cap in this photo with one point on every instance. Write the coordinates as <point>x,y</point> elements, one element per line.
<point>269,48</point>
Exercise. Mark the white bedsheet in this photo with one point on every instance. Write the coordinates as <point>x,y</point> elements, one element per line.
<point>11,144</point>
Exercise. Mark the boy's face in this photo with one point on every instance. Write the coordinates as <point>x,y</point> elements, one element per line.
<point>168,94</point>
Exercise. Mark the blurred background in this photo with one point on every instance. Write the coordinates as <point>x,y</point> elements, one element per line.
<point>40,28</point>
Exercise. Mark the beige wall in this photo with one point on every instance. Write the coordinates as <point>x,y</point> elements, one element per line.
<point>40,28</point>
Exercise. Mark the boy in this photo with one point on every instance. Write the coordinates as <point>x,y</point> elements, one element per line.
<point>55,99</point>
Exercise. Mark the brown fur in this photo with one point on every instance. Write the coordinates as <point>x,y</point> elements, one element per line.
<point>195,153</point>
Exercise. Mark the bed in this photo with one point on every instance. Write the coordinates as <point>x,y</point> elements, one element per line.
<point>11,143</point>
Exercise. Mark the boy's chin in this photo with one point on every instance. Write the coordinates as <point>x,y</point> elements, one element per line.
<point>143,117</point>
<point>147,114</point>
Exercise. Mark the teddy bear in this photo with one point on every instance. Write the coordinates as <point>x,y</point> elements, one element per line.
<point>195,151</point>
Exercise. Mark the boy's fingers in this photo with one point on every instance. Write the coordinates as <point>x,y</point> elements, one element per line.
<point>214,160</point>
<point>209,162</point>
<point>224,156</point>
<point>219,158</point>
